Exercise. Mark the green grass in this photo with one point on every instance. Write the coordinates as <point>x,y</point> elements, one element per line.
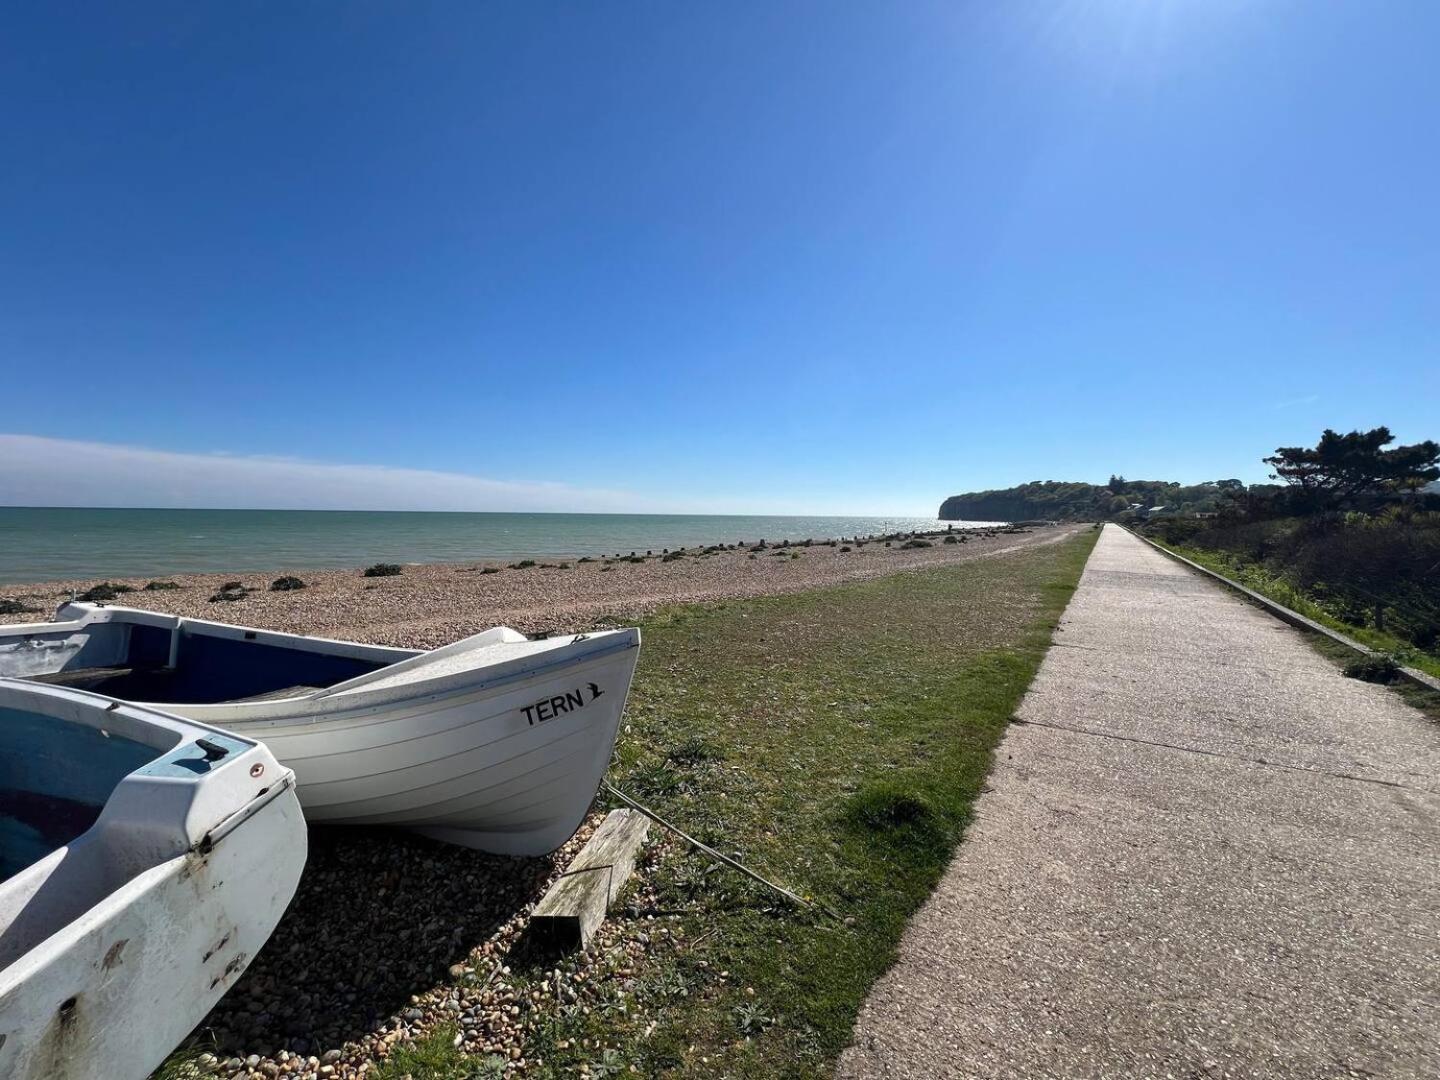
<point>1254,576</point>
<point>834,740</point>
<point>436,1058</point>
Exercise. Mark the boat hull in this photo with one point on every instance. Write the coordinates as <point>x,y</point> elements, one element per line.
<point>497,741</point>
<point>169,853</point>
<point>510,768</point>
<point>115,998</point>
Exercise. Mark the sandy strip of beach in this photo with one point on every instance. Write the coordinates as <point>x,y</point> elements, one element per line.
<point>432,604</point>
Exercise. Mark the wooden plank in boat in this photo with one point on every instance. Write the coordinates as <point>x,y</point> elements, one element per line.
<point>82,678</point>
<point>575,906</point>
<point>279,695</point>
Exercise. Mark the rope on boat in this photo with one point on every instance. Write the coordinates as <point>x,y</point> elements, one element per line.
<point>734,864</point>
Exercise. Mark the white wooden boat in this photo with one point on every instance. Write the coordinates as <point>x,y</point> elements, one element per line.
<point>144,859</point>
<point>496,742</point>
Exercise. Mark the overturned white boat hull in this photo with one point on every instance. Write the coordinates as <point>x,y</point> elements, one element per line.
<point>496,742</point>
<point>117,942</point>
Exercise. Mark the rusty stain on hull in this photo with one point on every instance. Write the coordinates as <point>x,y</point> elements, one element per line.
<point>220,945</point>
<point>234,967</point>
<point>57,1044</point>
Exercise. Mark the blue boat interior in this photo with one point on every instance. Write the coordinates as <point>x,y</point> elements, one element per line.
<point>55,778</point>
<point>209,668</point>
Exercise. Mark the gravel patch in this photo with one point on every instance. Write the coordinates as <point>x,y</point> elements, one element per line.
<point>392,938</point>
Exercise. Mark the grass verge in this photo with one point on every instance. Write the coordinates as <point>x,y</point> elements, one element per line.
<point>1256,577</point>
<point>835,740</point>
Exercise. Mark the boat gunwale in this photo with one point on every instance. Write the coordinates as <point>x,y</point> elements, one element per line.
<point>322,706</point>
<point>143,716</point>
<point>363,704</point>
<point>356,650</point>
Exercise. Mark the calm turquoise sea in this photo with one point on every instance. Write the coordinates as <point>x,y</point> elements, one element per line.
<point>44,543</point>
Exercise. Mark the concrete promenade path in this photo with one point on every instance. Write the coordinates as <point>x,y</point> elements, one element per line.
<point>1203,853</point>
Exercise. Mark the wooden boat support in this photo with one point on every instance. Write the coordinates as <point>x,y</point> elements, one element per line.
<point>575,906</point>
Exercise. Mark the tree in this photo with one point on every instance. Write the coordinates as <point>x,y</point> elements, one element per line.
<point>1344,466</point>
<point>1117,484</point>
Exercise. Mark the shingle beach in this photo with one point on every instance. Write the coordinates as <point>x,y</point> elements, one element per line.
<point>433,604</point>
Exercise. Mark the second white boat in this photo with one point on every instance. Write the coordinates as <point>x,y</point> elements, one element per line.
<point>144,860</point>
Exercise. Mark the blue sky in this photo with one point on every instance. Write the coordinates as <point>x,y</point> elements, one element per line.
<point>751,257</point>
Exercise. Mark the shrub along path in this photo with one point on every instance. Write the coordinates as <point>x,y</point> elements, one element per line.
<point>1205,854</point>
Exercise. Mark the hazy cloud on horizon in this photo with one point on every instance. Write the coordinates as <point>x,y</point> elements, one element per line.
<point>40,471</point>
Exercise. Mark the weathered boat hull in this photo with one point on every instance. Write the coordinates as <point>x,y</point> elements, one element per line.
<point>115,945</point>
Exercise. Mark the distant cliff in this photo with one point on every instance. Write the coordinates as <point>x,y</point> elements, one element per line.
<point>1059,500</point>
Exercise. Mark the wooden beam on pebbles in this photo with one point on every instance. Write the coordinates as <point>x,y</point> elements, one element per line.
<point>576,904</point>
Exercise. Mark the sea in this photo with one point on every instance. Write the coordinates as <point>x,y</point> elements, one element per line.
<point>50,543</point>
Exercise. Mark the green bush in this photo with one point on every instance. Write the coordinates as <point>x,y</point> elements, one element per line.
<point>1362,569</point>
<point>286,584</point>
<point>383,569</point>
<point>16,607</point>
<point>523,564</point>
<point>1376,668</point>
<point>159,586</point>
<point>915,544</point>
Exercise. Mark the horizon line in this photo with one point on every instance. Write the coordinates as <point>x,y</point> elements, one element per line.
<point>359,510</point>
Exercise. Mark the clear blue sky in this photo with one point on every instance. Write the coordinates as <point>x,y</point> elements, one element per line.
<point>740,256</point>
